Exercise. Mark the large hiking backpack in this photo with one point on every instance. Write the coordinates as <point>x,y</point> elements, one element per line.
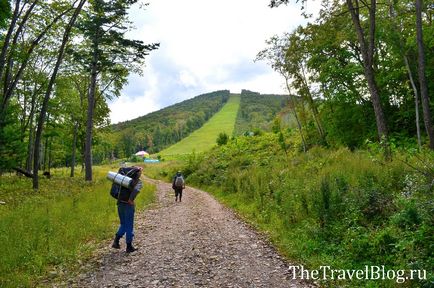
<point>179,182</point>
<point>122,193</point>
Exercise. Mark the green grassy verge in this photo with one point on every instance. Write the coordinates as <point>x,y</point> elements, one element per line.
<point>205,138</point>
<point>47,233</point>
<point>337,208</point>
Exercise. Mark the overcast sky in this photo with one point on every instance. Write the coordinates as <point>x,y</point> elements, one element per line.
<point>205,45</point>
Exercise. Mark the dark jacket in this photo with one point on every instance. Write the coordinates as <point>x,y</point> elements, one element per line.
<point>130,193</point>
<point>174,179</point>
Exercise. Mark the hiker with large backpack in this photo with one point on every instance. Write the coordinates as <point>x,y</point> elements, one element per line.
<point>178,184</point>
<point>126,207</point>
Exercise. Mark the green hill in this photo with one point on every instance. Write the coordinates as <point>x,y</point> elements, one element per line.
<point>174,125</point>
<point>160,129</point>
<point>257,111</point>
<point>205,137</point>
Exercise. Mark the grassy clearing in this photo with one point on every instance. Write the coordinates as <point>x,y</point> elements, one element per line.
<point>205,137</point>
<point>47,233</point>
<point>163,171</point>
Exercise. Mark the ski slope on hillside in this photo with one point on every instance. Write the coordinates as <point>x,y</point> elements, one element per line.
<point>205,137</point>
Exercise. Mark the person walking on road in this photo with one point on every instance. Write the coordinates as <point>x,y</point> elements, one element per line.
<point>126,209</point>
<point>178,184</point>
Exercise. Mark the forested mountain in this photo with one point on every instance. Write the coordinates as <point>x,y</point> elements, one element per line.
<point>221,124</point>
<point>160,129</point>
<point>257,111</point>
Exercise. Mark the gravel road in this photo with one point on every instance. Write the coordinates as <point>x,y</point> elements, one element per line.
<point>195,243</point>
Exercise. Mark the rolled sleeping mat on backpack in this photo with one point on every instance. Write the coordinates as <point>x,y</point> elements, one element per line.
<point>119,179</point>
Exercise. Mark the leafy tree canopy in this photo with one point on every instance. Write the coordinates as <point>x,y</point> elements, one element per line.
<point>5,13</point>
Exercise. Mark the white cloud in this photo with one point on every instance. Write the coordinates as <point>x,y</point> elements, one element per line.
<point>206,45</point>
<point>187,79</point>
<point>125,108</point>
<point>138,99</point>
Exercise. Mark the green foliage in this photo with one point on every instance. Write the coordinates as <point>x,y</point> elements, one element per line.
<point>222,139</point>
<point>323,58</point>
<point>12,148</point>
<point>53,229</point>
<point>134,158</point>
<point>204,138</point>
<point>158,130</point>
<point>338,207</point>
<point>5,13</point>
<point>348,124</point>
<point>409,216</point>
<point>257,111</point>
<point>104,26</point>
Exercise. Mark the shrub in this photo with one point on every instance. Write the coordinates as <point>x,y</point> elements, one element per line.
<point>222,139</point>
<point>340,207</point>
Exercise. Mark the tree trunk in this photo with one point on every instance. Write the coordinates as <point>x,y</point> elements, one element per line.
<point>7,39</point>
<point>90,111</point>
<point>49,155</point>
<point>312,105</point>
<point>10,59</point>
<point>31,128</point>
<point>45,158</point>
<point>398,31</point>
<point>422,77</point>
<point>24,172</point>
<point>416,101</point>
<point>74,149</point>
<point>91,96</point>
<point>294,111</point>
<point>367,50</point>
<point>376,102</point>
<point>30,147</point>
<point>44,107</point>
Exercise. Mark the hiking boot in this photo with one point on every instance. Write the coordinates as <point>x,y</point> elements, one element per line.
<point>116,244</point>
<point>130,248</point>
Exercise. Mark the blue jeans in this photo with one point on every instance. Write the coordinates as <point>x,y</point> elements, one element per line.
<point>126,217</point>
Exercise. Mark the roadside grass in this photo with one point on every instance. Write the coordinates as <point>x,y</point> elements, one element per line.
<point>332,207</point>
<point>161,171</point>
<point>205,138</point>
<point>166,169</point>
<point>45,234</point>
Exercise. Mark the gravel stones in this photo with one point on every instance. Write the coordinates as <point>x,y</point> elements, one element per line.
<point>194,243</point>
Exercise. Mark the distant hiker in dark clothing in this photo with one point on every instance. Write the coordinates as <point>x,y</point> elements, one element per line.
<point>178,184</point>
<point>126,209</point>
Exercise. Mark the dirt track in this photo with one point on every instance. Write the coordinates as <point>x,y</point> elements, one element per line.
<point>191,244</point>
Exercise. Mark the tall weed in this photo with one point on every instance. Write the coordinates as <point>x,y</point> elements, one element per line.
<point>47,231</point>
<point>338,207</point>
